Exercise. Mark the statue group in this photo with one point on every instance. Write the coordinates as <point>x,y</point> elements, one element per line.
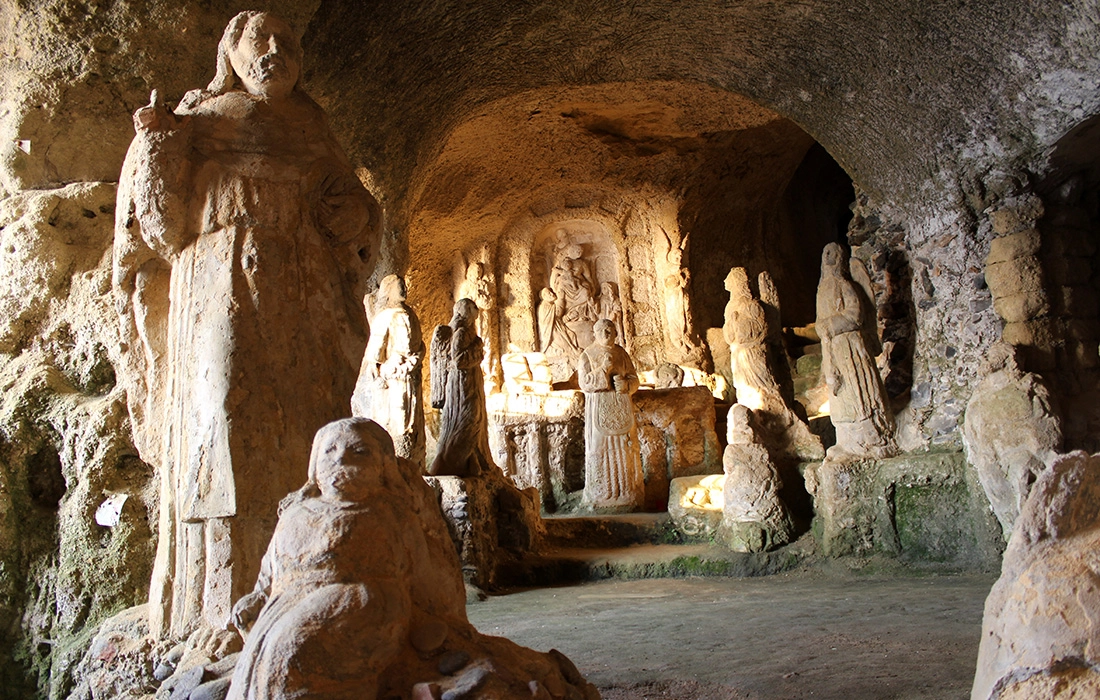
<point>243,243</point>
<point>571,305</point>
<point>243,237</point>
<point>749,334</point>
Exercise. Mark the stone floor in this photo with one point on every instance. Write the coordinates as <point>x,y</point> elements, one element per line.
<point>834,635</point>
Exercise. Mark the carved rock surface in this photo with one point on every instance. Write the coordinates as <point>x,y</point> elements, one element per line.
<point>695,504</point>
<point>1011,431</point>
<point>1041,630</point>
<point>754,518</point>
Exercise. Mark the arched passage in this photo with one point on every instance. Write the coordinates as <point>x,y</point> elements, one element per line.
<point>1069,254</point>
<point>685,180</point>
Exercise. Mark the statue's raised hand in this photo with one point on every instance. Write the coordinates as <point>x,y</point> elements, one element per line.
<point>156,116</point>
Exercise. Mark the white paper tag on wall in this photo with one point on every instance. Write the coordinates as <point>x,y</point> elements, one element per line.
<point>110,511</point>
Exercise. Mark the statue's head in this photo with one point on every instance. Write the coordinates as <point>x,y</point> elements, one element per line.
<point>392,289</point>
<point>548,294</point>
<point>475,271</point>
<point>740,425</point>
<point>737,282</point>
<point>832,259</point>
<point>260,54</point>
<point>352,460</point>
<point>605,332</point>
<point>608,289</point>
<point>465,313</point>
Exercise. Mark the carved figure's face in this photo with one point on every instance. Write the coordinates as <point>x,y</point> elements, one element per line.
<point>737,282</point>
<point>393,289</point>
<point>267,58</point>
<point>605,334</point>
<point>465,313</point>
<point>352,464</point>
<point>831,256</point>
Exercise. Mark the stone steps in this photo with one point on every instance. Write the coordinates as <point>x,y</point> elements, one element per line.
<point>637,545</point>
<point>608,531</point>
<point>574,565</point>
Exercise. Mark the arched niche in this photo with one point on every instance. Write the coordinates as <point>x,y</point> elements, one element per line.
<point>575,259</point>
<point>1064,343</point>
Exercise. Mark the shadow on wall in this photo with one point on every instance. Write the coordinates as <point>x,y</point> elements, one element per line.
<point>1069,256</point>
<point>770,201</point>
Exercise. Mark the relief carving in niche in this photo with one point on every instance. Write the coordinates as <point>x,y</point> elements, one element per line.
<point>683,346</point>
<point>576,272</point>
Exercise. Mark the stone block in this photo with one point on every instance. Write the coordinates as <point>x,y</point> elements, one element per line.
<point>1069,241</point>
<point>1016,245</point>
<point>685,419</point>
<point>1077,301</point>
<point>918,507</point>
<point>695,504</point>
<point>492,524</point>
<point>1014,276</point>
<point>1083,329</point>
<point>1021,307</point>
<point>1033,333</point>
<point>1068,270</point>
<point>1017,214</point>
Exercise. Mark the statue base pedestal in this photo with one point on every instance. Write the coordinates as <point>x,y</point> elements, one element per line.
<point>493,524</point>
<point>918,507</point>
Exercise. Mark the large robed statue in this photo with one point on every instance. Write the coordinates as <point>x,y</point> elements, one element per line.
<point>858,404</point>
<point>243,239</point>
<point>613,477</point>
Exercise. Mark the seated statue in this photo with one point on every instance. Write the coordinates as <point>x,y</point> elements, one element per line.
<point>360,594</point>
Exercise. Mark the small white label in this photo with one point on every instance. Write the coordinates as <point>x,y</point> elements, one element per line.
<point>110,510</point>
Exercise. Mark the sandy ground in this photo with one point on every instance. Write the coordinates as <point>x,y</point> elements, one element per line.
<point>801,635</point>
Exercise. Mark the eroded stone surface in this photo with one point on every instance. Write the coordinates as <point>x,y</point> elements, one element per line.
<point>1012,431</point>
<point>1040,636</point>
<point>242,242</point>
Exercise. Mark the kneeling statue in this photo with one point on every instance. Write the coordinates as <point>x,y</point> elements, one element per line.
<point>360,593</point>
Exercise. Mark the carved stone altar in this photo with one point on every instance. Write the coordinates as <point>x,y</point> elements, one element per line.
<point>254,342</point>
